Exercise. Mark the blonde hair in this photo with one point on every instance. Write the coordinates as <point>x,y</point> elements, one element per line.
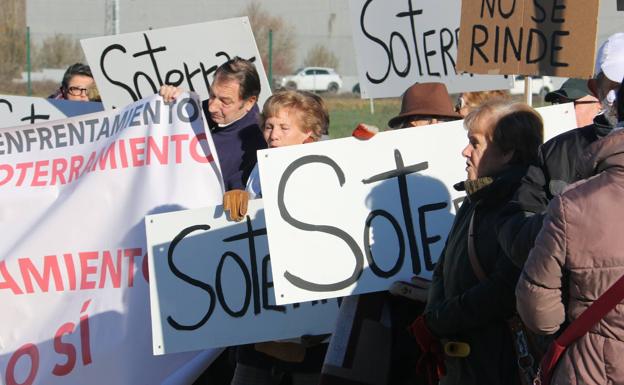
<point>510,126</point>
<point>473,100</point>
<point>313,113</point>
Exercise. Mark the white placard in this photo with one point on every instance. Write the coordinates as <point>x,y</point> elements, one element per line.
<point>372,212</point>
<point>399,43</point>
<point>73,256</point>
<point>130,66</point>
<point>23,110</point>
<point>211,284</point>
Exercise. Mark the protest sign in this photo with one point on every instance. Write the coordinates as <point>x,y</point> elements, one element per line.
<point>372,212</point>
<point>23,110</point>
<point>529,37</point>
<point>131,66</point>
<point>73,258</point>
<point>399,43</point>
<point>211,285</point>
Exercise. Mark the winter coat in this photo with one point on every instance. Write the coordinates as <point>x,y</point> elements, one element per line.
<point>462,308</point>
<point>557,167</point>
<point>578,255</point>
<point>236,145</point>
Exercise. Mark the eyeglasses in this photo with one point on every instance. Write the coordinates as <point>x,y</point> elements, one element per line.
<point>77,91</point>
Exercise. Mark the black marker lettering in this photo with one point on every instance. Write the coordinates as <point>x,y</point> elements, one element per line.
<point>202,285</point>
<point>357,253</point>
<point>367,249</point>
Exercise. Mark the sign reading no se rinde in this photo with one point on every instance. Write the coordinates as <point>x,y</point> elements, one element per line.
<point>368,212</point>
<point>529,37</point>
<point>401,42</point>
<point>130,66</point>
<point>211,284</point>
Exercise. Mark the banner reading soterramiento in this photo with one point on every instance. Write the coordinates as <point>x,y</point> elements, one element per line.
<point>73,266</point>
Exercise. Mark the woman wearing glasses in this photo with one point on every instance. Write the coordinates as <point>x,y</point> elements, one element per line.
<point>76,85</point>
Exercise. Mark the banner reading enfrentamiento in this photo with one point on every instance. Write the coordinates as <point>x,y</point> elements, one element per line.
<point>73,266</point>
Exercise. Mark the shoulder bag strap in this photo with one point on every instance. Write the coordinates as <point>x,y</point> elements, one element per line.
<point>472,250</point>
<point>594,313</point>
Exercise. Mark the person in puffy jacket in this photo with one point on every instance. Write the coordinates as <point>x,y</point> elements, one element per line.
<point>578,255</point>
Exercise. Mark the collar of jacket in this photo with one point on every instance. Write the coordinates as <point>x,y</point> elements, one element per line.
<point>499,185</point>
<point>603,128</point>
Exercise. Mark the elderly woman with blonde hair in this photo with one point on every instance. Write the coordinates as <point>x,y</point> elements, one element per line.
<point>288,118</point>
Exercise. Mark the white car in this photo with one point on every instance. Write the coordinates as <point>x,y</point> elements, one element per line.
<point>313,79</point>
<point>540,85</point>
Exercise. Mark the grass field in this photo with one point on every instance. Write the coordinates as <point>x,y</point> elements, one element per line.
<point>347,112</point>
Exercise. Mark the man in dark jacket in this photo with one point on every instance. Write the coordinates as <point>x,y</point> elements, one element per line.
<point>232,114</point>
<point>472,296</point>
<point>521,219</point>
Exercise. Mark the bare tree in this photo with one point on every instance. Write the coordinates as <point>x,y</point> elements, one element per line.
<point>283,38</point>
<point>12,38</point>
<point>58,51</point>
<point>320,56</point>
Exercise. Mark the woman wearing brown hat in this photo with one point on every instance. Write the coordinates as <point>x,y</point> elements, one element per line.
<point>423,104</point>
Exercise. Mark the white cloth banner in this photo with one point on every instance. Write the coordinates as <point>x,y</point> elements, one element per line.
<point>211,283</point>
<point>373,211</point>
<point>73,260</point>
<point>24,110</point>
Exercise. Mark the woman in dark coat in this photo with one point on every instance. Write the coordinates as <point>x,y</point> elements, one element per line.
<point>470,301</point>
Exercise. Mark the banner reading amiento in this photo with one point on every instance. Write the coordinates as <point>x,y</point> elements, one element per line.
<point>73,265</point>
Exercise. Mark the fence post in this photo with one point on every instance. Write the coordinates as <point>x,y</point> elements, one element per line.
<point>271,59</point>
<point>28,65</point>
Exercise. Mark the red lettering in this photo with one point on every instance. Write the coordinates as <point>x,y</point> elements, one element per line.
<point>59,166</point>
<point>152,148</point>
<point>23,168</point>
<point>85,335</point>
<point>71,270</point>
<point>196,155</point>
<point>122,153</point>
<point>131,253</point>
<point>91,163</point>
<point>76,162</point>
<point>178,139</point>
<point>64,348</point>
<point>27,349</point>
<point>9,282</point>
<point>137,153</point>
<point>40,172</point>
<point>110,154</point>
<point>87,270</point>
<point>145,268</point>
<point>9,173</point>
<point>107,265</point>
<point>50,267</point>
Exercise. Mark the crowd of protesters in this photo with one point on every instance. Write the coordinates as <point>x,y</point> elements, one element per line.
<point>534,244</point>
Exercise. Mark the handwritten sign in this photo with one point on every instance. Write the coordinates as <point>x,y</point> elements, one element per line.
<point>22,110</point>
<point>131,66</point>
<point>529,37</point>
<point>398,43</point>
<point>371,212</point>
<point>211,284</point>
